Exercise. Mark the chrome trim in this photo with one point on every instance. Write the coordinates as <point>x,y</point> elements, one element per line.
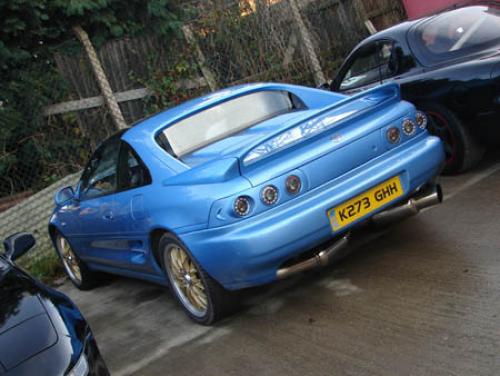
<point>320,259</point>
<point>427,198</point>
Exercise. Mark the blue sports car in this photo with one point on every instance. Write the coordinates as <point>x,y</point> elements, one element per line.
<point>242,187</point>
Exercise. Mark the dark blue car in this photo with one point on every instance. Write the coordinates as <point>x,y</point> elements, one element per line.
<point>242,187</point>
<point>42,332</point>
<point>448,65</point>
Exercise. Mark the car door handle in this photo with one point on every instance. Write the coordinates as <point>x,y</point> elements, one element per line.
<point>108,216</point>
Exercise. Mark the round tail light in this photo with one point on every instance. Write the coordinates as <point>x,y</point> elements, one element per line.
<point>409,127</point>
<point>269,195</point>
<point>293,184</point>
<point>421,119</point>
<point>242,206</point>
<point>393,135</point>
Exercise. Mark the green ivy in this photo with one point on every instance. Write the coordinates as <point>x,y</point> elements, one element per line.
<point>34,150</point>
<point>33,27</point>
<point>163,84</point>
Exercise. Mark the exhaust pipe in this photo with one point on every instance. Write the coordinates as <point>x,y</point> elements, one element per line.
<point>424,199</point>
<point>320,259</point>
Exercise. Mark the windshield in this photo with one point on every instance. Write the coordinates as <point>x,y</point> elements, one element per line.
<point>458,32</point>
<point>225,119</point>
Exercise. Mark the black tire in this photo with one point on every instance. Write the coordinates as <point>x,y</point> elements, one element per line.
<point>219,303</point>
<point>87,279</point>
<point>463,150</point>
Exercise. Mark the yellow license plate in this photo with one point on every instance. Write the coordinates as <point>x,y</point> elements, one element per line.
<point>363,204</point>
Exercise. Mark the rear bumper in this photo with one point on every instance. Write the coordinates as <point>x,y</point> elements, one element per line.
<point>249,252</point>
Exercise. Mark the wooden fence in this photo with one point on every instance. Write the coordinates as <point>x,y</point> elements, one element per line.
<point>267,43</point>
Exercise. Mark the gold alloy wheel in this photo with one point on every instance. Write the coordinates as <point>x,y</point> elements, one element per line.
<point>69,260</point>
<point>186,280</point>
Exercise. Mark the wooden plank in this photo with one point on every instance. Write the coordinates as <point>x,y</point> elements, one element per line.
<point>370,27</point>
<point>381,11</point>
<point>318,4</point>
<point>81,104</point>
<point>207,73</point>
<point>124,96</point>
<point>290,50</point>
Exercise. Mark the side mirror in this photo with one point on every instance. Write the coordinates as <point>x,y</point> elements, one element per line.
<point>18,244</point>
<point>324,86</point>
<point>63,195</point>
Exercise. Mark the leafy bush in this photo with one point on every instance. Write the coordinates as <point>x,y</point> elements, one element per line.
<point>35,150</point>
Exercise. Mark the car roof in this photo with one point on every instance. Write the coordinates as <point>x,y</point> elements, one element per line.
<point>398,31</point>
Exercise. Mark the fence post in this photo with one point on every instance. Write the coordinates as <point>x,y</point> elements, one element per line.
<point>319,77</point>
<point>360,6</point>
<point>207,73</point>
<point>101,78</point>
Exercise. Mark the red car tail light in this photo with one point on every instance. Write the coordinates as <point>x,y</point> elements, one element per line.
<point>393,135</point>
<point>421,119</point>
<point>409,127</point>
<point>242,206</point>
<point>293,184</point>
<point>269,195</point>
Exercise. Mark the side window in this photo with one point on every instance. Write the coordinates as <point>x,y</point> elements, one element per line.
<point>370,64</point>
<point>100,176</point>
<point>132,171</point>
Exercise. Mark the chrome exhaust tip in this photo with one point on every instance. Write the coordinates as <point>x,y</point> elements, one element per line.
<point>320,259</point>
<point>424,199</point>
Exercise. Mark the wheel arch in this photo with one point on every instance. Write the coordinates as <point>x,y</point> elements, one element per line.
<point>53,231</point>
<point>154,243</point>
<point>467,149</point>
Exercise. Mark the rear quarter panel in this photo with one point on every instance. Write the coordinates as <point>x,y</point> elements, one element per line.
<point>466,87</point>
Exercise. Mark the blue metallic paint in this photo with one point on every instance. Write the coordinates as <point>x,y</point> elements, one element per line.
<point>336,158</point>
<point>249,252</point>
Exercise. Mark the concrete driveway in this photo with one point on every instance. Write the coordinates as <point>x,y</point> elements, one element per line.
<point>420,298</point>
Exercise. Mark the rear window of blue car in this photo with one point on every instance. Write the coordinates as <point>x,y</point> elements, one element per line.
<point>226,119</point>
<point>457,33</point>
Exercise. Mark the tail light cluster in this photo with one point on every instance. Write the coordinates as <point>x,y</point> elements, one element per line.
<point>269,196</point>
<point>408,126</point>
<point>393,135</point>
<point>242,205</point>
<point>421,119</point>
<point>293,184</point>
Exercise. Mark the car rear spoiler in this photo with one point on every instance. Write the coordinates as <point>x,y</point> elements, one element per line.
<point>331,116</point>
